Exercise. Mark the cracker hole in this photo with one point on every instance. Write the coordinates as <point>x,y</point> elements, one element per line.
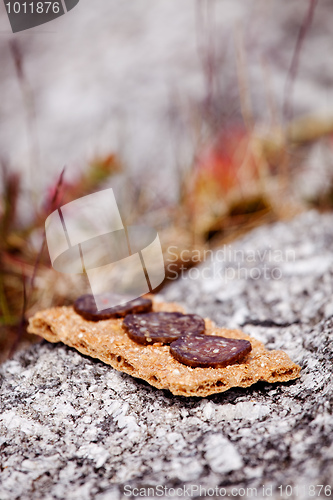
<point>279,373</point>
<point>46,328</point>
<point>288,372</point>
<point>219,383</point>
<point>127,365</point>
<point>122,362</point>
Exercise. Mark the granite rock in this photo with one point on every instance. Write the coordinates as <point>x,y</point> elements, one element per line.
<point>72,427</point>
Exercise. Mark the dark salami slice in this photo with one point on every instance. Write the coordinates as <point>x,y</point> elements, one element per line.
<point>209,350</point>
<point>164,327</point>
<point>86,307</point>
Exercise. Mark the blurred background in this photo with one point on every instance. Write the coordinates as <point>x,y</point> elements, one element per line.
<point>208,118</point>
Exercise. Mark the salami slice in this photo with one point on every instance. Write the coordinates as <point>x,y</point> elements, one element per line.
<point>209,350</point>
<point>86,307</point>
<point>164,327</point>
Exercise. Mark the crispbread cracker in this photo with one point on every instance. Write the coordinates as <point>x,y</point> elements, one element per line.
<point>107,341</point>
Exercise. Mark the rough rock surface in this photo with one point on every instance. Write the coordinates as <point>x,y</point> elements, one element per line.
<point>72,427</point>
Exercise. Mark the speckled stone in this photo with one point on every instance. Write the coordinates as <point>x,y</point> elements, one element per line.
<point>73,428</point>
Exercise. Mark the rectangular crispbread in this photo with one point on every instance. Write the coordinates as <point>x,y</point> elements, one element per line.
<point>107,341</point>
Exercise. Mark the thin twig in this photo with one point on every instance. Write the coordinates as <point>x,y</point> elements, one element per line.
<point>287,111</point>
<point>6,316</point>
<point>11,189</point>
<point>244,93</point>
<point>21,325</point>
<point>53,206</point>
<point>24,305</point>
<point>271,103</point>
<point>206,33</point>
<point>28,99</point>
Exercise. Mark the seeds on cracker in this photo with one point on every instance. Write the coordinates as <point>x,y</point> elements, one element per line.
<point>163,327</point>
<point>107,341</point>
<point>86,306</point>
<point>209,350</point>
